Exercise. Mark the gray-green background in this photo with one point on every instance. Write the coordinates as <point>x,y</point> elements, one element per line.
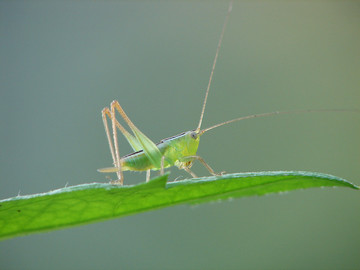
<point>62,62</point>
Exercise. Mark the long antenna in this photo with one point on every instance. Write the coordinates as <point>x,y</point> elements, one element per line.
<point>214,64</point>
<point>274,113</point>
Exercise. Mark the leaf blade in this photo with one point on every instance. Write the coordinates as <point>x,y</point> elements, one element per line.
<point>99,201</point>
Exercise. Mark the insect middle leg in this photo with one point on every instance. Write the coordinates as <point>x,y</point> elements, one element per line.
<point>162,165</point>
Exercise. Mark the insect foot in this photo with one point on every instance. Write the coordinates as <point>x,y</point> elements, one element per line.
<point>118,182</point>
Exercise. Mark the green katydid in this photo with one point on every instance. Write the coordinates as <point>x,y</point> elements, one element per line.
<point>179,150</point>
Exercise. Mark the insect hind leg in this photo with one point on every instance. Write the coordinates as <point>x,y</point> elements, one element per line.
<point>113,143</point>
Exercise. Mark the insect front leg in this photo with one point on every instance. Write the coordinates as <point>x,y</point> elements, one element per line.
<point>189,172</point>
<point>185,165</point>
<point>202,161</point>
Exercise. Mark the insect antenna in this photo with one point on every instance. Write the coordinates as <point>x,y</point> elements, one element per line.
<point>275,113</point>
<point>214,64</point>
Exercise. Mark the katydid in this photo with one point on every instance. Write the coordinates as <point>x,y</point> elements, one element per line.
<point>179,150</point>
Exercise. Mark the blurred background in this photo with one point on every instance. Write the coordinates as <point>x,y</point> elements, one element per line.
<point>63,61</point>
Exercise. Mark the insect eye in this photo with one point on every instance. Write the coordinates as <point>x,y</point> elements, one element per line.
<point>193,135</point>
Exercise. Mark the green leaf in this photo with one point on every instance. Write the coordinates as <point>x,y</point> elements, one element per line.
<point>87,203</point>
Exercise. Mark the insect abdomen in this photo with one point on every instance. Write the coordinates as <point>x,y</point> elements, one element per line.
<point>137,161</point>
